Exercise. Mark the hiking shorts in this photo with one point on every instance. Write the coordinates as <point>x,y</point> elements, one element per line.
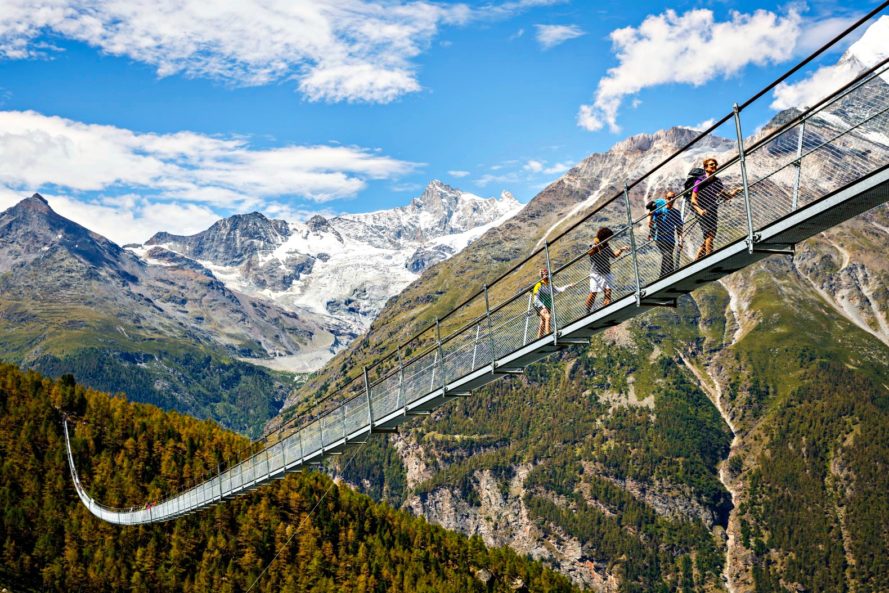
<point>709,222</point>
<point>599,282</point>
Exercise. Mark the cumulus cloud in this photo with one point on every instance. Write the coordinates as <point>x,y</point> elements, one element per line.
<point>458,173</point>
<point>533,166</point>
<point>691,48</point>
<point>549,36</point>
<point>336,50</point>
<point>38,151</point>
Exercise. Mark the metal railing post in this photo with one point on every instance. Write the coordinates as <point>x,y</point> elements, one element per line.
<point>741,157</point>
<point>794,203</point>
<point>343,420</point>
<point>490,330</point>
<point>444,381</point>
<point>283,457</point>
<point>432,379</point>
<point>552,293</point>
<point>302,454</point>
<point>527,320</point>
<point>402,403</point>
<point>219,474</point>
<point>478,329</point>
<point>370,410</point>
<point>633,250</point>
<point>321,432</point>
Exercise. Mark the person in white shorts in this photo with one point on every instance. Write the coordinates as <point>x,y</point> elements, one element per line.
<point>601,279</point>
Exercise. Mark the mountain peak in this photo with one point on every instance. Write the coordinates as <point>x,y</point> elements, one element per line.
<point>37,197</point>
<point>36,203</point>
<point>318,224</point>
<point>506,196</point>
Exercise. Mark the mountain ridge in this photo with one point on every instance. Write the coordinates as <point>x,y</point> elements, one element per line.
<point>342,269</point>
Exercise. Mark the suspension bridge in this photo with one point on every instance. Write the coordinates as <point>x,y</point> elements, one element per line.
<point>823,165</point>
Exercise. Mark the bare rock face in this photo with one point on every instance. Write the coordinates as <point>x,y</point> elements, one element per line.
<point>502,519</point>
<point>427,256</point>
<point>230,241</point>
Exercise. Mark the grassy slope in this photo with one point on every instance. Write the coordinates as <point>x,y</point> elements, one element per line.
<point>810,389</point>
<point>116,355</point>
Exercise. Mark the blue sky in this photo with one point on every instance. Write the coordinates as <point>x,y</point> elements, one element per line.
<point>136,118</point>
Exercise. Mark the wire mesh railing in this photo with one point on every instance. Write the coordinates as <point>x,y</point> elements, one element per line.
<point>759,181</point>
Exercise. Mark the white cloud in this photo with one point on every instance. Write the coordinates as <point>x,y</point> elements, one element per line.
<point>534,167</point>
<point>549,36</point>
<point>336,50</point>
<point>588,120</point>
<point>38,150</point>
<point>9,198</point>
<point>691,48</point>
<point>458,173</point>
<point>133,219</point>
<point>557,168</point>
<point>814,88</point>
<point>700,127</point>
<point>869,50</point>
<point>815,33</point>
<point>489,178</point>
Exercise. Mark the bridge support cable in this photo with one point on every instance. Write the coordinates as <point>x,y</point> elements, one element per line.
<point>798,179</point>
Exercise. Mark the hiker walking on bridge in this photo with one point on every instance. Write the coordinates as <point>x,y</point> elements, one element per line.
<point>665,227</point>
<point>601,280</point>
<point>707,194</point>
<point>544,292</point>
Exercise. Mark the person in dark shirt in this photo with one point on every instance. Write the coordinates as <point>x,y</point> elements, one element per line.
<point>706,195</point>
<point>665,227</point>
<point>601,280</point>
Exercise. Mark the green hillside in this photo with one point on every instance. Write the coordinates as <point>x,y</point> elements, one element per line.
<point>111,354</point>
<point>129,453</point>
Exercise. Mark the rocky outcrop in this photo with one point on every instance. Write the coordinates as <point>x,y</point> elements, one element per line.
<point>427,256</point>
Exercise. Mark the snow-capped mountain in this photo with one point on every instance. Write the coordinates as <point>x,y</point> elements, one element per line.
<point>342,269</point>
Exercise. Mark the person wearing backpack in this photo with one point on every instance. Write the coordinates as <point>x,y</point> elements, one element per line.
<point>544,292</point>
<point>706,195</point>
<point>665,224</point>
